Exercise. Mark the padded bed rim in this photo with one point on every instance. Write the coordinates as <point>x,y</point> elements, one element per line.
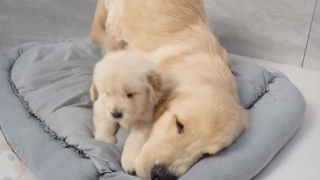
<point>6,64</point>
<point>53,134</point>
<point>25,103</point>
<point>62,140</point>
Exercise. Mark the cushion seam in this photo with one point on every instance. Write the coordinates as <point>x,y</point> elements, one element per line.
<point>35,45</point>
<point>52,133</point>
<point>265,91</point>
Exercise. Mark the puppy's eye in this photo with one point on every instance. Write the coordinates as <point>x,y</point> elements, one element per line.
<point>179,127</point>
<point>130,95</point>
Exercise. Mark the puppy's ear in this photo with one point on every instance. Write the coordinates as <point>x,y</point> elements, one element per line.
<point>165,99</point>
<point>93,93</point>
<point>155,83</point>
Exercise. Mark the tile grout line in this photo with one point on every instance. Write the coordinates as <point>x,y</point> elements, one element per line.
<point>308,38</point>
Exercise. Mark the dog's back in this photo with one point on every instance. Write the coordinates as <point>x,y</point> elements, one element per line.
<point>161,29</point>
<point>148,25</point>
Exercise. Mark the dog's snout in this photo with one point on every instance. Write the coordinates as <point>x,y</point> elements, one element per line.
<point>117,114</point>
<point>161,172</point>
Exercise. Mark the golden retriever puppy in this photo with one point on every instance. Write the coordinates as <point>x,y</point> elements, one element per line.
<point>125,88</point>
<point>200,114</point>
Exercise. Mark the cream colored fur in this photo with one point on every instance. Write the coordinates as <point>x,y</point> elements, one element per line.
<point>125,82</point>
<point>200,114</point>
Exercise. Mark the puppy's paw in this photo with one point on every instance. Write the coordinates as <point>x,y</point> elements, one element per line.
<point>128,165</point>
<point>107,139</point>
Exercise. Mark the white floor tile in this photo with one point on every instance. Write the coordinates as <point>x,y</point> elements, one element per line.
<point>6,168</point>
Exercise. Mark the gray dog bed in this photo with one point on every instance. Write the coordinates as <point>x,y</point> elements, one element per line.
<point>45,107</point>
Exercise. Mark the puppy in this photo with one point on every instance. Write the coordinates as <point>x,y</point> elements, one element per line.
<point>201,113</point>
<point>125,88</point>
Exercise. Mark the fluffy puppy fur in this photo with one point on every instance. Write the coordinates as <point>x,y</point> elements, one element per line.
<point>201,112</point>
<point>125,88</point>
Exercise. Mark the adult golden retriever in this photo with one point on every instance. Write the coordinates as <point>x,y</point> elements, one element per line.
<point>199,114</point>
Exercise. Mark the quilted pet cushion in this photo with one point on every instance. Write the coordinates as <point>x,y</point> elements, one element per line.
<point>45,107</point>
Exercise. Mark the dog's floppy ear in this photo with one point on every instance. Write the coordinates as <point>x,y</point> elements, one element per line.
<point>93,93</point>
<point>155,83</point>
<point>224,141</point>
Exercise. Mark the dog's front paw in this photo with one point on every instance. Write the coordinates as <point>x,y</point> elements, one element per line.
<point>107,139</point>
<point>141,168</point>
<point>128,165</point>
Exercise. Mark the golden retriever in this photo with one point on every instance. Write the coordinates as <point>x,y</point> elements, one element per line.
<point>201,113</point>
<point>125,88</point>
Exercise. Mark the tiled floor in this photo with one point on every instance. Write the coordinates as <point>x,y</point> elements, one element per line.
<point>274,30</point>
<point>5,167</point>
<point>285,31</point>
<point>43,20</point>
<point>312,59</point>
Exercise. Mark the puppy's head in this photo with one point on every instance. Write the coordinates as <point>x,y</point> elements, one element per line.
<point>197,121</point>
<point>127,84</point>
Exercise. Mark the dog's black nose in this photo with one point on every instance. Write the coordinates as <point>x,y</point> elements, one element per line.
<point>160,172</point>
<point>117,115</point>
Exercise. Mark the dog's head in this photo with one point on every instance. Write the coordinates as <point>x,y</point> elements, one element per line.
<point>195,122</point>
<point>126,84</point>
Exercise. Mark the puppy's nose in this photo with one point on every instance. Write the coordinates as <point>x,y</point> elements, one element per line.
<point>160,172</point>
<point>117,115</point>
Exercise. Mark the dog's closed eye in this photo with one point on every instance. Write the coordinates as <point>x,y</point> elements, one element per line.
<point>130,95</point>
<point>180,126</point>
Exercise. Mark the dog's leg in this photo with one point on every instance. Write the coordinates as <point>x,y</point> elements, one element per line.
<point>133,146</point>
<point>104,128</point>
<point>112,45</point>
<point>99,35</point>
